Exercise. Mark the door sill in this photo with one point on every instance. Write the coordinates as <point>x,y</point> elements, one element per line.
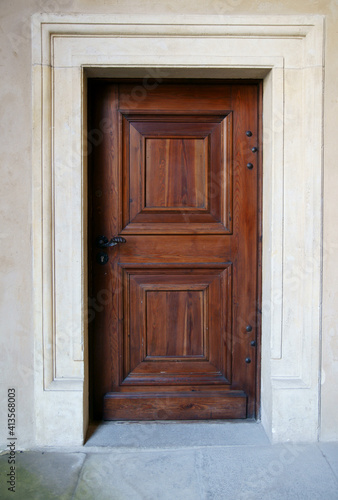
<point>176,434</point>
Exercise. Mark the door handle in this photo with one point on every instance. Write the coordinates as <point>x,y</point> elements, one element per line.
<point>103,242</point>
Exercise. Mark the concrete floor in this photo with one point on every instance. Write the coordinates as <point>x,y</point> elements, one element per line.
<point>176,461</point>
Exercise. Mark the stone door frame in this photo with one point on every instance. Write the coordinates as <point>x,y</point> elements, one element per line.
<point>287,53</point>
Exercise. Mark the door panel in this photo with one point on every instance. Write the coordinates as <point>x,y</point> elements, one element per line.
<point>177,328</point>
<point>177,172</point>
<point>176,337</point>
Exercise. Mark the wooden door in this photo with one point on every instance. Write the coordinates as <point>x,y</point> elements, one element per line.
<point>174,171</point>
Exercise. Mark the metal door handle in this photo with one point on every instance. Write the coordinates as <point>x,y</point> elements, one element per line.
<point>103,242</point>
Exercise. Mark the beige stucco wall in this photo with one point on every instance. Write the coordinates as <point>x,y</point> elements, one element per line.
<point>16,356</point>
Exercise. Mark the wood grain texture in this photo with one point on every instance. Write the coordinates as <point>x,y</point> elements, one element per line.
<point>175,323</point>
<point>176,173</point>
<point>170,176</point>
<point>173,96</point>
<point>182,406</point>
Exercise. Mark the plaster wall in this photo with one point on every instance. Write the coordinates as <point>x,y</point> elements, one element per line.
<point>16,324</point>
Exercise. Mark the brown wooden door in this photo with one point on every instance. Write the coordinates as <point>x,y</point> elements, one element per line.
<point>175,330</point>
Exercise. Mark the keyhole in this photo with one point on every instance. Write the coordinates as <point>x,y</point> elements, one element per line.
<point>102,258</point>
